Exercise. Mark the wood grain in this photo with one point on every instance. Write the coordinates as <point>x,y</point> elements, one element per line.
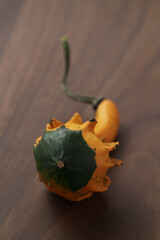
<point>115,54</point>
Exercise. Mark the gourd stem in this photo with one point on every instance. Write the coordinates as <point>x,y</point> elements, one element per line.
<point>86,99</point>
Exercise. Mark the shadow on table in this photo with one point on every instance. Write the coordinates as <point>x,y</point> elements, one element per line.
<point>74,216</point>
<point>93,218</point>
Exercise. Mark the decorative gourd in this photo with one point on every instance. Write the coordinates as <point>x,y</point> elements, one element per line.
<point>73,159</point>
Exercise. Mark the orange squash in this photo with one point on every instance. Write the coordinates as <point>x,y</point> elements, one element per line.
<point>73,159</point>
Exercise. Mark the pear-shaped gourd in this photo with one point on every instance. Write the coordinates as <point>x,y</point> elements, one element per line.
<point>73,159</point>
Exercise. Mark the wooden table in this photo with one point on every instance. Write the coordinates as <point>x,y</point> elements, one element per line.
<point>116,54</point>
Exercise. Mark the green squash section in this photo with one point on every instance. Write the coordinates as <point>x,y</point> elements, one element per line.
<point>69,147</point>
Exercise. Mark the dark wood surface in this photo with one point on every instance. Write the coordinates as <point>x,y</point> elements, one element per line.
<point>115,54</point>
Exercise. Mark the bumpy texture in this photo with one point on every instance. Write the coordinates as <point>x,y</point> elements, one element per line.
<point>72,161</point>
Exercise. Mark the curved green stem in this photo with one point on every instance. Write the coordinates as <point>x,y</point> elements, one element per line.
<point>86,99</point>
